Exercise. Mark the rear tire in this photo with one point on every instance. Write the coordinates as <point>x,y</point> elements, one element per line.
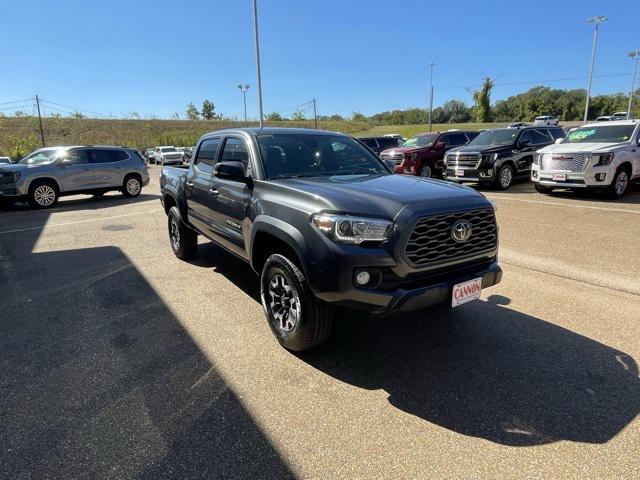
<point>543,189</point>
<point>183,240</point>
<point>43,194</point>
<point>426,171</point>
<point>296,317</point>
<point>620,184</point>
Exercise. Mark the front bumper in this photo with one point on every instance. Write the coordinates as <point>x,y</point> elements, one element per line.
<point>594,177</point>
<point>470,175</point>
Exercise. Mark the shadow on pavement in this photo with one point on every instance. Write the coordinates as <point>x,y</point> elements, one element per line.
<point>99,379</point>
<point>482,370</point>
<point>83,202</point>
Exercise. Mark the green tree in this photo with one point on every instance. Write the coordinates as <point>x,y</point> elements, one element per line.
<point>358,117</point>
<point>274,117</point>
<point>298,115</point>
<point>336,118</point>
<point>19,113</point>
<point>208,110</point>
<point>77,114</point>
<point>192,111</point>
<point>482,99</point>
<point>455,111</point>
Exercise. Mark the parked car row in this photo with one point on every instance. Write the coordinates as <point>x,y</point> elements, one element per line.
<point>168,155</point>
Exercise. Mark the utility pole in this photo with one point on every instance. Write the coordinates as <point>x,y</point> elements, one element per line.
<point>315,115</point>
<point>243,89</point>
<point>635,56</point>
<point>40,120</point>
<point>430,94</point>
<point>255,29</point>
<point>597,20</point>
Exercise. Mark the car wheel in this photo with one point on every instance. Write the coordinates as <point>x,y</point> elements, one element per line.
<point>184,241</point>
<point>43,194</point>
<point>620,184</point>
<point>543,189</point>
<point>426,171</point>
<point>132,186</point>
<point>505,177</point>
<point>296,317</point>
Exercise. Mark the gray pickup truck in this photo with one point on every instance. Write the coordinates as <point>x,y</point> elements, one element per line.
<point>49,173</point>
<point>325,223</point>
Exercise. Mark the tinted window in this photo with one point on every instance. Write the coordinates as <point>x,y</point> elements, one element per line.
<point>235,150</point>
<point>540,137</point>
<point>207,155</point>
<point>77,156</point>
<point>500,136</point>
<point>370,142</point>
<point>526,135</point>
<point>388,142</point>
<point>472,135</point>
<point>458,139</point>
<point>99,156</point>
<point>557,133</point>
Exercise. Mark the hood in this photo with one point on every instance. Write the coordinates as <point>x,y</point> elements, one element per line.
<point>16,167</point>
<point>579,147</point>
<point>481,148</point>
<point>379,195</point>
<point>404,149</point>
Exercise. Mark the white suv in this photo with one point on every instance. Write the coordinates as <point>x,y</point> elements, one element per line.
<point>546,120</point>
<point>603,155</point>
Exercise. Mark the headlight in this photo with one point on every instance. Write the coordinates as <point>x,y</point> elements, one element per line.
<point>489,157</point>
<point>354,230</point>
<point>603,159</point>
<point>16,177</point>
<point>411,156</point>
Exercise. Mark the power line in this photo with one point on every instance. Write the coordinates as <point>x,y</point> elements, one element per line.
<point>74,109</point>
<point>18,101</point>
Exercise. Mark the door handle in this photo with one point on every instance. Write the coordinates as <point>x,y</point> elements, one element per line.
<point>189,184</point>
<point>213,192</point>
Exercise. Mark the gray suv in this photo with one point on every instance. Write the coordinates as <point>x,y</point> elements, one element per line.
<point>48,173</point>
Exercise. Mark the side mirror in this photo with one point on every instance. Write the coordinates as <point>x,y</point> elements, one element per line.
<point>524,143</point>
<point>230,171</point>
<point>440,145</point>
<point>65,161</point>
<point>559,140</point>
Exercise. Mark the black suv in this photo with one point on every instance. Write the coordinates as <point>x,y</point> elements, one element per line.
<point>499,156</point>
<point>378,144</point>
<point>324,222</point>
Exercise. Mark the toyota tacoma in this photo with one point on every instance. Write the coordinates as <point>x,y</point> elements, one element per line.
<point>325,223</point>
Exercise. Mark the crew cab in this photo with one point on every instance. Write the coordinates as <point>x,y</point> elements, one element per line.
<point>601,156</point>
<point>423,154</point>
<point>167,155</point>
<point>499,156</point>
<point>49,173</point>
<point>325,223</point>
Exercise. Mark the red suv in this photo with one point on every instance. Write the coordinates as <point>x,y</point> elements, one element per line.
<point>423,154</point>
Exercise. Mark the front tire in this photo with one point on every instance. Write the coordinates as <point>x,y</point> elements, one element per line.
<point>296,317</point>
<point>619,185</point>
<point>43,194</point>
<point>426,171</point>
<point>505,177</point>
<point>543,189</point>
<point>183,240</point>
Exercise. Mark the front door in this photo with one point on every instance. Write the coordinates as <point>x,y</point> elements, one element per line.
<point>524,152</point>
<point>76,173</point>
<point>231,198</point>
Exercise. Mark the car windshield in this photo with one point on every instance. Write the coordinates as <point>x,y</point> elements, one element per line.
<point>41,157</point>
<point>168,150</point>
<point>308,155</point>
<point>601,134</point>
<point>502,136</point>
<point>421,141</point>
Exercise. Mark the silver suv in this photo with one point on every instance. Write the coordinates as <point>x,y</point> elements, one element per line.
<point>48,173</point>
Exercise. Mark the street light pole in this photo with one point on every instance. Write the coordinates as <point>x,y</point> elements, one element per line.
<point>255,30</point>
<point>430,94</point>
<point>597,20</point>
<point>635,56</point>
<point>243,89</point>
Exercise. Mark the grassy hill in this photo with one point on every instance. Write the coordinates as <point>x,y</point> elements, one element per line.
<point>20,135</point>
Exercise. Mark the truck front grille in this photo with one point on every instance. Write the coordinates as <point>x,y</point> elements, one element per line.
<point>396,157</point>
<point>431,242</point>
<point>564,162</point>
<point>463,160</point>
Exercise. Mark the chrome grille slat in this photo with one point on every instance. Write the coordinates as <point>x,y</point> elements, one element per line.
<point>431,242</point>
<point>464,160</point>
<point>564,162</point>
<point>396,157</point>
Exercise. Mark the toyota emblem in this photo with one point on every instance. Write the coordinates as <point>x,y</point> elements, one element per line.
<point>461,231</point>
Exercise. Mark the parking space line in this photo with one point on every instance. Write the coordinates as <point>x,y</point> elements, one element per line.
<point>560,204</point>
<point>42,227</point>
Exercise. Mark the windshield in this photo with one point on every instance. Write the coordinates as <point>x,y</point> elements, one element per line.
<point>502,136</point>
<point>168,150</point>
<point>41,157</point>
<point>421,141</point>
<point>300,155</point>
<point>601,134</point>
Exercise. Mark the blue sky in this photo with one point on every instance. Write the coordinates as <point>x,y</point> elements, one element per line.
<point>116,56</point>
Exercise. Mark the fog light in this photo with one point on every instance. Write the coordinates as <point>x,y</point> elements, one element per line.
<point>363,278</point>
<point>601,176</point>
<point>489,172</point>
<point>534,174</point>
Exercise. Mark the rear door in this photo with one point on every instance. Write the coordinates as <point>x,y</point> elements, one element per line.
<point>104,168</point>
<point>197,188</point>
<point>231,198</point>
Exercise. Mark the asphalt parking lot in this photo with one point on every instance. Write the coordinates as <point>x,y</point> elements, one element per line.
<point>119,360</point>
